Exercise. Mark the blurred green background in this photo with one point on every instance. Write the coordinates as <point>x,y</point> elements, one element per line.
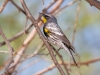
<point>87,38</point>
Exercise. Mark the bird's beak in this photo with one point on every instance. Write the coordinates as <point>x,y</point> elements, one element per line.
<point>43,18</point>
<point>41,14</point>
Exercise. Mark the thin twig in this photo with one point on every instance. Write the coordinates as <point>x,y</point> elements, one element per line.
<point>3,6</point>
<point>17,35</point>
<point>72,64</point>
<point>74,32</point>
<point>10,51</point>
<point>57,5</point>
<point>5,52</point>
<point>27,66</point>
<point>29,56</point>
<point>61,60</point>
<point>53,2</point>
<point>20,9</point>
<point>35,52</point>
<point>76,22</point>
<point>61,9</point>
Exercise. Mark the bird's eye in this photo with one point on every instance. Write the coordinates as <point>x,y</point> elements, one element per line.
<point>46,16</point>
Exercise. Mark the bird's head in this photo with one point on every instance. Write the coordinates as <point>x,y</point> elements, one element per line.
<point>47,18</point>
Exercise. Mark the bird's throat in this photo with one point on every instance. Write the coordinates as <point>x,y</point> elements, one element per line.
<point>44,19</point>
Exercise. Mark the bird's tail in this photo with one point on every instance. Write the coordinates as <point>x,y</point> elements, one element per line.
<point>69,52</point>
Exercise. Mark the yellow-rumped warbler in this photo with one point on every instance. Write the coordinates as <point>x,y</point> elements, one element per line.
<point>55,35</point>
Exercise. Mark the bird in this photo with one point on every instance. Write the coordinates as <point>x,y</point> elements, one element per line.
<point>55,35</point>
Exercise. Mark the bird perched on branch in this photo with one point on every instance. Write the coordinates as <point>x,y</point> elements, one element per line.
<point>55,35</point>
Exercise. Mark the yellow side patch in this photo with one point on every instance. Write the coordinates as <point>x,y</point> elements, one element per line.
<point>47,31</point>
<point>44,19</point>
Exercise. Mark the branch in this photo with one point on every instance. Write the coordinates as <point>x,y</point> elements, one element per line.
<point>20,33</point>
<point>17,35</point>
<point>10,52</point>
<point>94,3</point>
<point>20,9</point>
<point>61,63</point>
<point>57,52</point>
<point>76,21</point>
<point>3,6</point>
<point>41,36</point>
<point>27,66</point>
<point>4,52</point>
<point>57,5</point>
<point>69,4</point>
<point>53,2</point>
<point>30,56</point>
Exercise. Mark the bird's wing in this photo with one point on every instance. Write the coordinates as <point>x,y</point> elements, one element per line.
<point>56,30</point>
<point>66,42</point>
